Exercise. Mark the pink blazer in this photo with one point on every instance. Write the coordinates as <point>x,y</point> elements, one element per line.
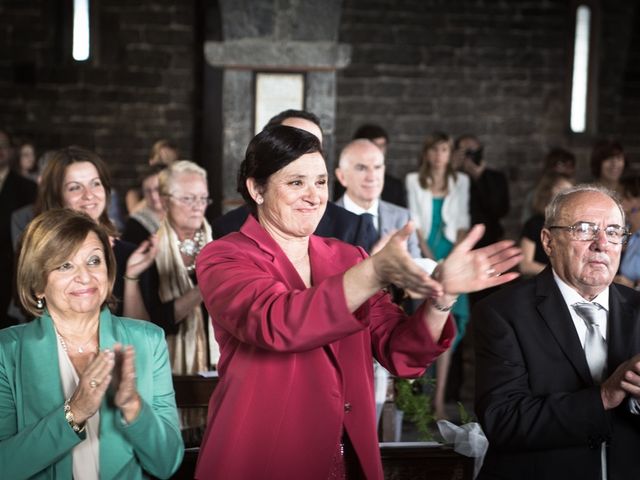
<point>296,366</point>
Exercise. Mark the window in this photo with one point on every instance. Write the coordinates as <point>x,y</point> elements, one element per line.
<point>581,90</point>
<point>80,49</point>
<point>275,92</point>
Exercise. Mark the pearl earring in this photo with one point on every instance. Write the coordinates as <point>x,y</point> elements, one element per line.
<point>40,303</point>
<point>259,200</point>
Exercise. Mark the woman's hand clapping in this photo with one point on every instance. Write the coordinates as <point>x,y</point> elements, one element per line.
<point>466,270</point>
<point>142,257</point>
<point>394,265</point>
<point>126,394</point>
<point>92,386</point>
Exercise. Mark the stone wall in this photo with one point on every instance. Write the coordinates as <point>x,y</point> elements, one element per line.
<point>498,69</point>
<point>138,87</point>
<point>494,67</point>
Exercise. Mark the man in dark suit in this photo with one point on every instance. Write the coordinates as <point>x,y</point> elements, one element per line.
<point>15,192</point>
<point>336,221</point>
<point>361,172</point>
<point>557,364</point>
<point>489,189</point>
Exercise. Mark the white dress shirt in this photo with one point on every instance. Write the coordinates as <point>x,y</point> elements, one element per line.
<point>353,207</point>
<point>572,297</point>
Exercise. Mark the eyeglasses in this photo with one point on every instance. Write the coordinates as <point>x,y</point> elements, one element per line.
<point>191,200</point>
<point>588,232</point>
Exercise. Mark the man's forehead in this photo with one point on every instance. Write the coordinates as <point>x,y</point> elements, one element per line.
<point>590,206</point>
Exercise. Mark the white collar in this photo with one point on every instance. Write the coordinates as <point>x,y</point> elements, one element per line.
<point>571,296</point>
<point>357,209</point>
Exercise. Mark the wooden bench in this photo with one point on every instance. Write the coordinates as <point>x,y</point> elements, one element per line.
<point>400,462</point>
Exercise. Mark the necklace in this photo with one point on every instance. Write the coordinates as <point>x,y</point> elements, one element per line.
<point>80,348</point>
<point>191,247</point>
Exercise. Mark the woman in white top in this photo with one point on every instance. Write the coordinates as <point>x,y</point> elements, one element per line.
<point>439,203</point>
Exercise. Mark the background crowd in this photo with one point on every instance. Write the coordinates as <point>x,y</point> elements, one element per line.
<point>149,241</point>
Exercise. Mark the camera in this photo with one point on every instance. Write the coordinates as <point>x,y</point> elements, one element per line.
<point>474,155</point>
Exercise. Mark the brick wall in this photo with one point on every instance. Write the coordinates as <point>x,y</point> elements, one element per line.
<point>495,68</point>
<point>138,87</point>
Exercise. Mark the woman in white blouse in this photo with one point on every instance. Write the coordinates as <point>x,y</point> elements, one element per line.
<point>439,203</point>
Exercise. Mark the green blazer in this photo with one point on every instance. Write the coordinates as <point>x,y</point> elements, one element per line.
<point>35,438</point>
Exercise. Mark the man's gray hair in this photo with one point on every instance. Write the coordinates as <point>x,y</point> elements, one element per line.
<point>552,212</point>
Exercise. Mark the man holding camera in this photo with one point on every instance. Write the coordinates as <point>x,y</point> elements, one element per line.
<point>489,191</point>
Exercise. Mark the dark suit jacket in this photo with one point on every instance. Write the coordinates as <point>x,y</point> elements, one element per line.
<point>16,192</point>
<point>535,398</point>
<point>488,203</point>
<point>335,223</point>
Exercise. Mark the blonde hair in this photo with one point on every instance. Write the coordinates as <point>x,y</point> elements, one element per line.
<point>49,240</point>
<point>155,154</point>
<point>167,177</point>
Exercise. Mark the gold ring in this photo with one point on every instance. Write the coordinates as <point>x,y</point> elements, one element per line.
<point>93,383</point>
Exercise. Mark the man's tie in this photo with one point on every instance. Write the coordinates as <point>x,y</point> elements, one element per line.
<point>595,346</point>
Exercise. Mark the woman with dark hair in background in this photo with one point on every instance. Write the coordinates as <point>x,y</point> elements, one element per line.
<point>608,165</point>
<point>77,178</point>
<point>145,221</point>
<point>162,152</point>
<point>26,163</point>
<point>299,319</point>
<point>534,257</point>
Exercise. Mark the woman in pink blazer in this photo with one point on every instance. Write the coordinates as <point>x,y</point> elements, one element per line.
<point>299,319</point>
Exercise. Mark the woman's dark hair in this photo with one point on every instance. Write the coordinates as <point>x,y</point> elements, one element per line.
<point>52,181</point>
<point>558,156</point>
<point>150,171</point>
<point>271,150</point>
<point>543,192</point>
<point>370,131</point>
<point>291,113</point>
<point>20,144</point>
<point>603,150</point>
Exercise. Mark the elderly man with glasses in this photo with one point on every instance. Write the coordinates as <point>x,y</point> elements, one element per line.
<point>558,364</point>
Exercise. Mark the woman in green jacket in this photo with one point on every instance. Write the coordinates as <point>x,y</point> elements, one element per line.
<point>83,394</point>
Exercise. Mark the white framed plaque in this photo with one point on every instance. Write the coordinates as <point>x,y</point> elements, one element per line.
<point>274,93</point>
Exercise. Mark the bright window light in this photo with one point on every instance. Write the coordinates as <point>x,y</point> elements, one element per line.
<point>80,30</point>
<point>580,70</point>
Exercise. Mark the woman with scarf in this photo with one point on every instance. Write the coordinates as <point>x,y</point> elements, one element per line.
<point>181,236</point>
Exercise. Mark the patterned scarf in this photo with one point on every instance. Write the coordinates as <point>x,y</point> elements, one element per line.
<point>188,348</point>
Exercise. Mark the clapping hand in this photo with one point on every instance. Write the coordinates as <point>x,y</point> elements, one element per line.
<point>394,265</point>
<point>92,385</point>
<point>142,257</point>
<point>124,381</point>
<point>466,270</point>
<point>624,381</point>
